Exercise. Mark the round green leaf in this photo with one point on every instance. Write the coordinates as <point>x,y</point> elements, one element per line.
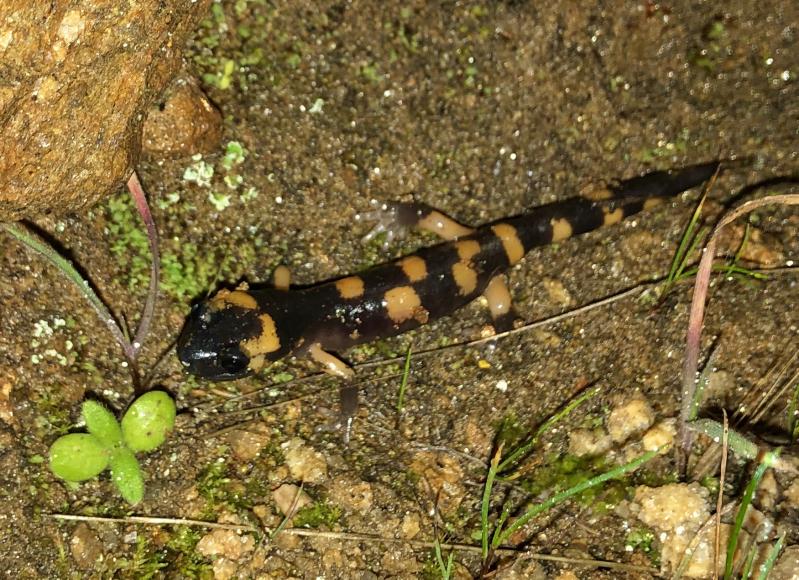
<point>148,420</point>
<point>101,423</point>
<point>126,475</point>
<point>78,457</point>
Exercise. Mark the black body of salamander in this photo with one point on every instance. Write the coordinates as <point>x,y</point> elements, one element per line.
<point>235,332</point>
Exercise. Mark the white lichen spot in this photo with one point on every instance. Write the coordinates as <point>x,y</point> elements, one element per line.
<point>233,181</point>
<point>235,154</point>
<point>220,201</point>
<point>42,328</point>
<point>317,106</point>
<point>249,194</point>
<point>199,172</point>
<point>502,385</point>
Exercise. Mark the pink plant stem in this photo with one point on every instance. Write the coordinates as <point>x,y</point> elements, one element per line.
<point>696,318</point>
<point>139,198</point>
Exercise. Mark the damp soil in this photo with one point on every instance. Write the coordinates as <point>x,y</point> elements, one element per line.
<point>482,110</point>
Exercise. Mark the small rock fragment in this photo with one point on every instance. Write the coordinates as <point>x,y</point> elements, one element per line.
<point>246,444</point>
<point>286,495</point>
<point>557,292</point>
<point>225,544</point>
<point>224,569</point>
<point>305,464</point>
<point>588,442</point>
<point>411,526</point>
<point>629,418</point>
<point>86,547</point>
<point>351,494</point>
<point>660,435</point>
<point>677,511</point>
<point>6,406</point>
<point>440,477</point>
<point>184,123</point>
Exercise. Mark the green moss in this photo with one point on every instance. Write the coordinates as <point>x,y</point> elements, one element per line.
<point>144,563</point>
<point>316,515</point>
<point>643,540</point>
<point>566,471</point>
<point>677,146</point>
<point>129,240</point>
<point>212,483</point>
<point>182,552</point>
<point>185,271</point>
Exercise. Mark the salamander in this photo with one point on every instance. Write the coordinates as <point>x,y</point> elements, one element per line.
<point>236,332</point>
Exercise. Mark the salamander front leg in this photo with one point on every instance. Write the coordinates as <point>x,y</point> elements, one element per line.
<point>393,218</point>
<point>499,303</point>
<point>330,364</point>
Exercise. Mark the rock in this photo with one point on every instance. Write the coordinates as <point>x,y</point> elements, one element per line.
<point>224,569</point>
<point>86,547</point>
<point>660,435</point>
<point>286,495</point>
<point>677,511</point>
<point>77,80</point>
<point>247,443</point>
<point>351,494</point>
<point>304,463</point>
<point>787,566</point>
<point>6,405</point>
<point>185,122</point>
<point>225,544</point>
<point>411,526</point>
<point>440,477</point>
<point>635,416</point>
<point>588,442</point>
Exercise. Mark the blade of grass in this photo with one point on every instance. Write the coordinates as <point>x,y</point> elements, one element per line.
<point>486,501</point>
<point>36,243</point>
<point>688,239</point>
<point>746,569</point>
<point>140,199</point>
<point>720,497</point>
<point>702,382</point>
<point>739,444</point>
<point>525,448</point>
<point>566,494</point>
<point>406,372</point>
<point>771,558</point>
<point>767,461</point>
<point>445,569</point>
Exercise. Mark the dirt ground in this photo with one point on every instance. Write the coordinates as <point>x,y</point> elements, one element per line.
<point>482,110</point>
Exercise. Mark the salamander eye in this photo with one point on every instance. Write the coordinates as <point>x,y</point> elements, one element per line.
<point>232,360</point>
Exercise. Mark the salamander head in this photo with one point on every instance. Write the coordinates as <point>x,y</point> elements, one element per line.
<point>228,337</point>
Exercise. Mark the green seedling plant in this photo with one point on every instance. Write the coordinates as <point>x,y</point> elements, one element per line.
<point>113,444</point>
<point>693,237</point>
<point>503,467</point>
<point>110,444</point>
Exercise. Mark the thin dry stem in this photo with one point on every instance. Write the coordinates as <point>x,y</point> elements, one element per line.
<point>353,537</point>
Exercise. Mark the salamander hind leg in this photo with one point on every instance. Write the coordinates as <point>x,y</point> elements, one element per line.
<point>395,218</point>
<point>503,315</point>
